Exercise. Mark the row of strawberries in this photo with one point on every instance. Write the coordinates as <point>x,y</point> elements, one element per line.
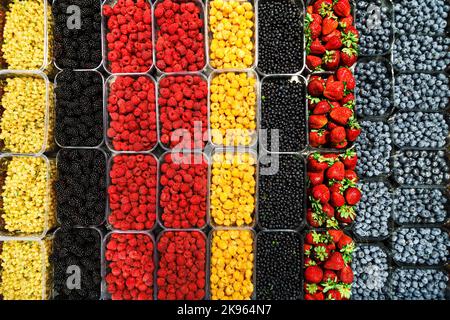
<point>331,45</point>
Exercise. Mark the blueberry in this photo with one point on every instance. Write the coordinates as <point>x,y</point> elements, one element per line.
<point>418,284</point>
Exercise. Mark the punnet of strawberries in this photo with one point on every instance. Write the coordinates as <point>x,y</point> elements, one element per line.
<point>327,262</point>
<point>331,38</point>
<point>331,108</point>
<point>332,190</point>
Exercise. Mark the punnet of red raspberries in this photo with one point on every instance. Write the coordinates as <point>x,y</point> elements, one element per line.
<point>331,38</point>
<point>332,192</point>
<point>327,262</point>
<point>331,107</point>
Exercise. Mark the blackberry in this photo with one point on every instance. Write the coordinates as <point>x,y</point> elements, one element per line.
<point>280,32</point>
<point>283,116</point>
<point>281,191</point>
<point>79,109</point>
<point>76,188</point>
<point>278,265</point>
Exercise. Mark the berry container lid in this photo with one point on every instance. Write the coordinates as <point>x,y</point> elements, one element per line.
<point>301,4</point>
<point>103,111</point>
<point>105,265</point>
<point>109,81</point>
<point>49,212</point>
<point>105,155</point>
<point>203,31</point>
<point>109,226</point>
<point>263,137</point>
<point>255,36</point>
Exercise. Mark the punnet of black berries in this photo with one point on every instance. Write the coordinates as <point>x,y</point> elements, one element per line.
<point>280,32</point>
<point>76,260</point>
<point>77,34</point>
<point>283,114</point>
<point>278,265</point>
<point>81,187</point>
<point>281,195</point>
<point>79,108</point>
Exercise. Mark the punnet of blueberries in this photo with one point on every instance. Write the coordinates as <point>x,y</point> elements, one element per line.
<point>371,272</point>
<point>76,251</point>
<point>374,21</point>
<point>281,191</point>
<point>77,34</point>
<point>81,187</point>
<point>420,205</point>
<point>373,148</point>
<point>419,130</point>
<point>418,284</point>
<point>418,53</point>
<point>278,265</point>
<point>374,87</point>
<point>421,16</point>
<point>420,246</point>
<point>374,210</point>
<point>280,31</point>
<point>422,91</point>
<point>283,115</point>
<point>79,108</point>
<point>415,168</point>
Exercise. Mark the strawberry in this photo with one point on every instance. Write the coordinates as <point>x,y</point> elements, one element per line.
<point>354,131</point>
<point>334,91</point>
<point>346,214</point>
<point>317,47</point>
<point>323,107</point>
<point>345,75</point>
<point>313,238</point>
<point>321,6</point>
<point>309,297</point>
<point>307,249</point>
<point>350,159</point>
<point>329,275</point>
<point>329,24</point>
<point>317,138</point>
<point>336,235</point>
<point>340,145</point>
<point>337,135</point>
<point>352,33</point>
<point>335,33</point>
<point>317,162</point>
<point>346,21</point>
<point>331,59</point>
<point>309,262</point>
<point>321,193</point>
<point>315,178</point>
<point>335,262</point>
<point>348,101</point>
<point>309,9</point>
<point>346,274</point>
<point>319,296</point>
<point>313,274</point>
<point>337,199</point>
<point>321,253</point>
<point>352,196</point>
<point>334,295</point>
<point>342,8</point>
<point>316,18</point>
<point>336,171</point>
<point>315,87</point>
<point>331,156</point>
<point>334,43</point>
<point>317,121</point>
<point>341,115</point>
<point>315,30</point>
<point>313,62</point>
<point>312,288</point>
<point>351,175</point>
<point>313,219</point>
<point>330,80</point>
<point>344,241</point>
<point>335,186</point>
<point>328,210</point>
<point>348,57</point>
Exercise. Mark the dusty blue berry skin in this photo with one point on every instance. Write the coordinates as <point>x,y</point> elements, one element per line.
<point>371,273</point>
<point>374,210</point>
<point>419,205</point>
<point>421,91</point>
<point>419,130</point>
<point>418,284</point>
<point>374,23</point>
<point>415,168</point>
<point>421,53</point>
<point>373,148</point>
<point>421,16</point>
<point>374,87</point>
<point>420,246</point>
